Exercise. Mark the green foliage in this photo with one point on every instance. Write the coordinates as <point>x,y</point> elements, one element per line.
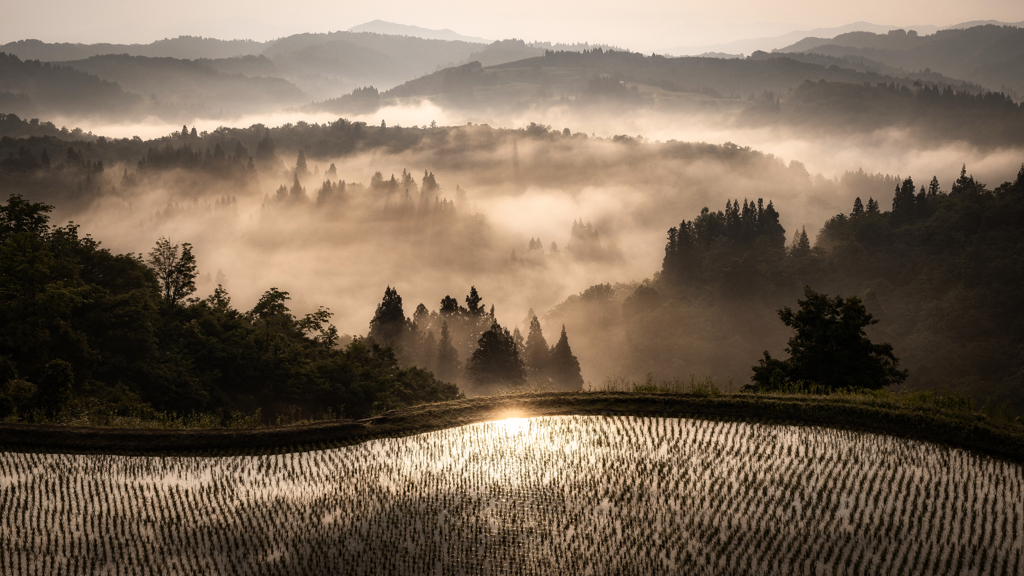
<point>703,387</point>
<point>84,328</point>
<point>564,368</point>
<point>942,272</point>
<point>496,361</point>
<point>175,272</point>
<point>536,355</point>
<point>389,323</point>
<point>830,348</point>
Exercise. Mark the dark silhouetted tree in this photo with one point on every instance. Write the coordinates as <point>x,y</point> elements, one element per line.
<point>176,271</point>
<point>858,208</point>
<point>301,170</point>
<point>496,360</point>
<point>389,323</point>
<point>873,207</point>
<point>448,365</point>
<point>536,354</point>
<point>565,368</point>
<point>830,348</point>
<point>802,244</point>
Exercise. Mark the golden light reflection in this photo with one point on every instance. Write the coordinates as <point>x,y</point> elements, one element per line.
<point>513,425</point>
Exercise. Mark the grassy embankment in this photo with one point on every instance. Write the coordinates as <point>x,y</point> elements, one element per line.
<point>947,419</point>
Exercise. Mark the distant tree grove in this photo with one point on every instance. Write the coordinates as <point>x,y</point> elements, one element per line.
<point>83,329</point>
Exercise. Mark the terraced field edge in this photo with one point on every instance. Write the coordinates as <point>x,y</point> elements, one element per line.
<point>974,432</point>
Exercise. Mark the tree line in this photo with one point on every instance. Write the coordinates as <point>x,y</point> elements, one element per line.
<point>84,330</point>
<point>466,344</point>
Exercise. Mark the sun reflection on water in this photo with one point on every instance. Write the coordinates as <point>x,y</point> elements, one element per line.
<point>513,425</point>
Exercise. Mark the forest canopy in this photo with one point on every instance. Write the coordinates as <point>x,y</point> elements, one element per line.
<point>86,329</point>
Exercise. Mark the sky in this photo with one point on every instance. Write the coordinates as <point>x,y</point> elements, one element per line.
<point>642,25</point>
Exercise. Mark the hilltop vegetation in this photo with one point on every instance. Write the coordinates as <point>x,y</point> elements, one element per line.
<point>87,330</point>
<point>989,55</point>
<point>940,270</point>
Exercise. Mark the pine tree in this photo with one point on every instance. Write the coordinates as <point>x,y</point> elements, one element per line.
<point>802,245</point>
<point>496,360</point>
<point>872,206</point>
<point>536,354</point>
<point>447,367</point>
<point>428,352</point>
<point>184,131</point>
<point>473,302</point>
<point>193,133</point>
<point>858,208</point>
<point>421,317</point>
<point>301,170</point>
<point>565,368</point>
<point>389,324</point>
<point>903,202</point>
<point>297,193</point>
<point>933,187</point>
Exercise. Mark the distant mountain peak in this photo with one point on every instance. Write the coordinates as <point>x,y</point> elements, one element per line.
<point>382,27</point>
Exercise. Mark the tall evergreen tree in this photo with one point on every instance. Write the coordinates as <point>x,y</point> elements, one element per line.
<point>389,323</point>
<point>448,365</point>
<point>496,360</point>
<point>872,206</point>
<point>536,354</point>
<point>301,170</point>
<point>565,368</point>
<point>903,202</point>
<point>858,208</point>
<point>802,244</point>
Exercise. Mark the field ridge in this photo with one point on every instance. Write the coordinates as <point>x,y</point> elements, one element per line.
<point>974,432</point>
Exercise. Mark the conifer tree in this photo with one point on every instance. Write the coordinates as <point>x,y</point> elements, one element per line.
<point>858,208</point>
<point>802,244</point>
<point>447,367</point>
<point>903,202</point>
<point>301,170</point>
<point>565,368</point>
<point>536,354</point>
<point>428,352</point>
<point>496,360</point>
<point>297,193</point>
<point>389,324</point>
<point>872,206</point>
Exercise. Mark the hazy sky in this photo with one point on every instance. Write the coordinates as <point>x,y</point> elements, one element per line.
<point>638,25</point>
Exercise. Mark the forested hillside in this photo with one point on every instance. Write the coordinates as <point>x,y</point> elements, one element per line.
<point>34,88</point>
<point>992,56</point>
<point>89,330</point>
<point>941,270</point>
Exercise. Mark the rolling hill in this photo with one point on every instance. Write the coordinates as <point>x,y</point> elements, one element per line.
<point>989,55</point>
<point>192,84</point>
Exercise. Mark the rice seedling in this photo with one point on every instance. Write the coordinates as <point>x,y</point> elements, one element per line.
<point>556,495</point>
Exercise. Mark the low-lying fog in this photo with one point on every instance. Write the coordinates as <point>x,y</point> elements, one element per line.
<point>342,254</point>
